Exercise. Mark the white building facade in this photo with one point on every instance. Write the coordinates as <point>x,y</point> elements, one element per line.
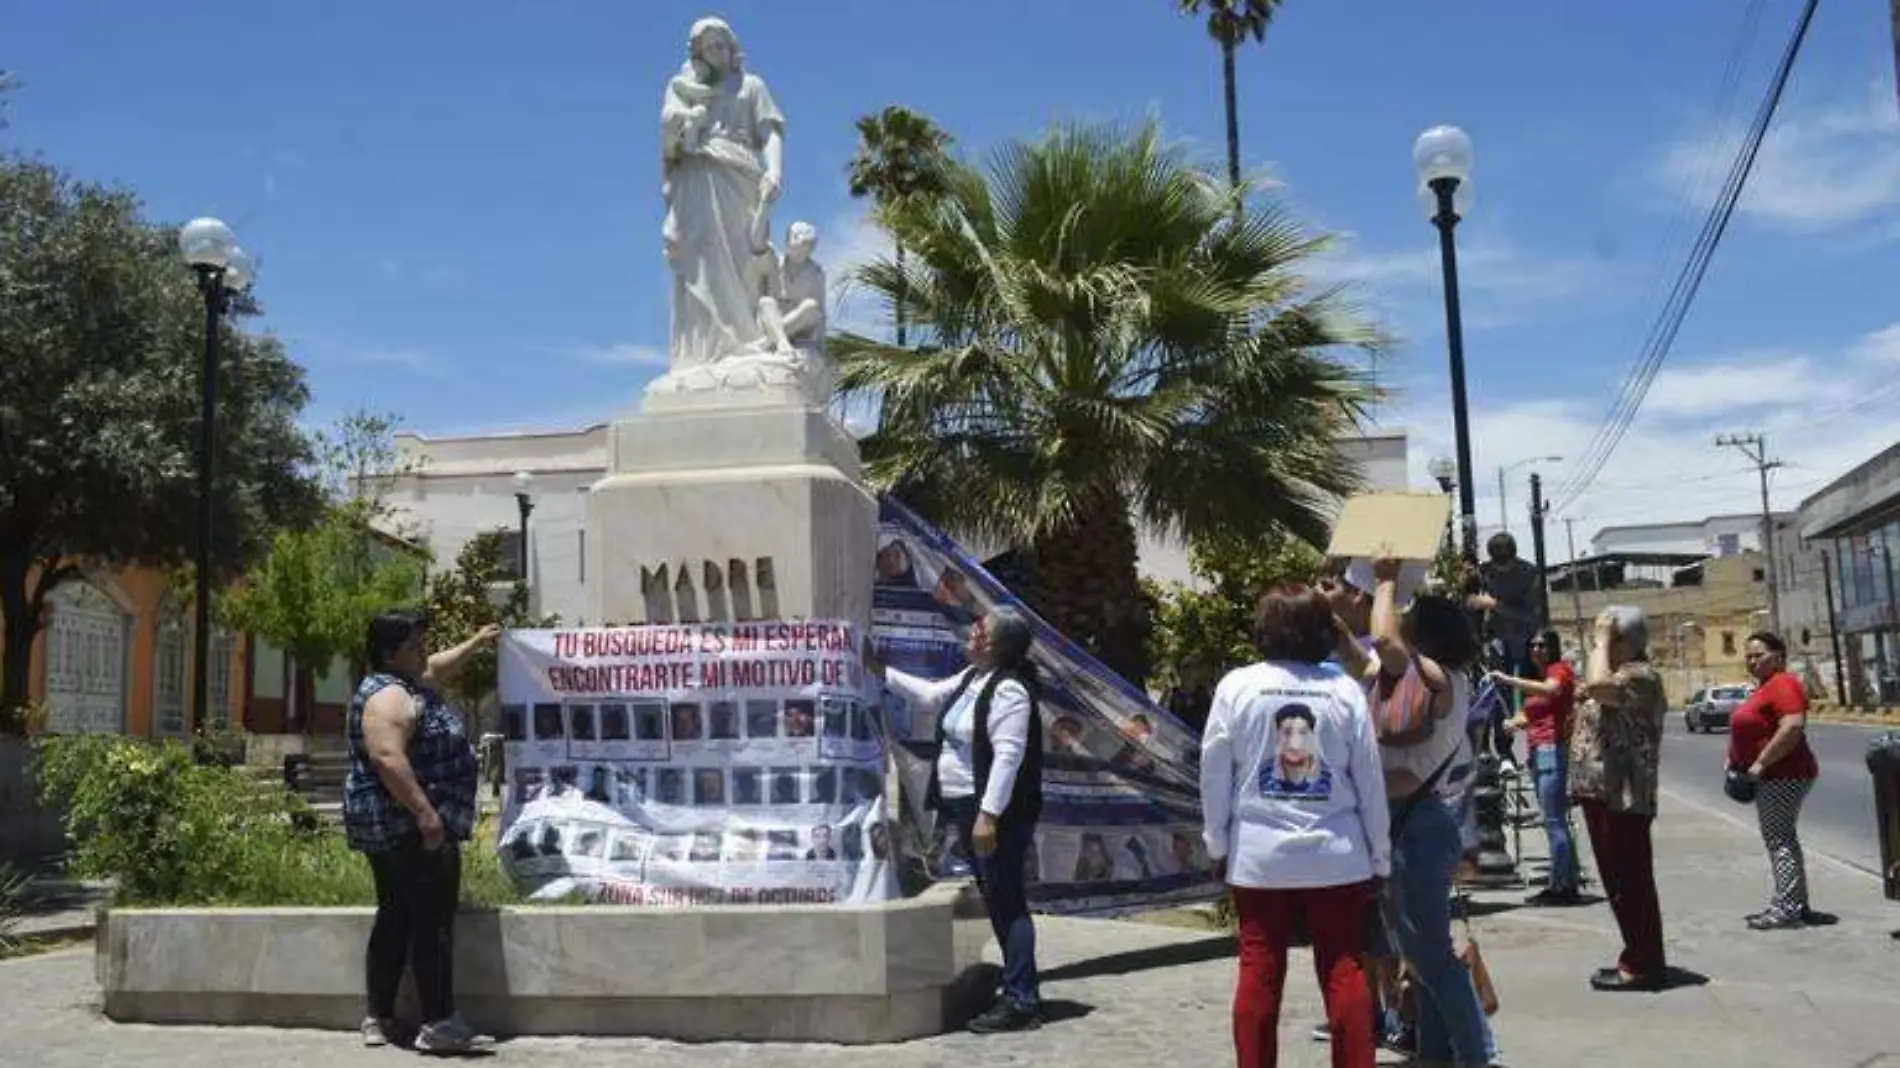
<point>460,487</point>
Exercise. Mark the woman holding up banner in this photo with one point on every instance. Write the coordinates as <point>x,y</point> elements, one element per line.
<point>988,783</point>
<point>409,803</point>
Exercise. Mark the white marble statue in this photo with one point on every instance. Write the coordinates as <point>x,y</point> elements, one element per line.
<point>792,295</point>
<point>723,156</point>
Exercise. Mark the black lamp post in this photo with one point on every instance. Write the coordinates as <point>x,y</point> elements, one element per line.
<point>223,269</point>
<point>1443,157</point>
<point>524,504</point>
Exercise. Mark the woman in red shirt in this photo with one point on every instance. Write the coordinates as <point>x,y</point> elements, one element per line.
<point>1767,742</point>
<point>1546,718</point>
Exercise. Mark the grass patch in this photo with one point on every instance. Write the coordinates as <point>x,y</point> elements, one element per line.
<point>40,945</point>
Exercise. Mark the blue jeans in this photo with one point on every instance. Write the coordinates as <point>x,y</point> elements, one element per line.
<point>1002,879</point>
<point>1425,855</point>
<point>1552,769</point>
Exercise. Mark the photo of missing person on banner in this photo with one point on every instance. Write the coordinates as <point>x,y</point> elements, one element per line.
<point>686,723</point>
<point>514,723</point>
<point>821,847</point>
<point>547,723</point>
<point>799,718</point>
<point>614,725</point>
<point>580,723</point>
<point>600,785</point>
<point>725,721</point>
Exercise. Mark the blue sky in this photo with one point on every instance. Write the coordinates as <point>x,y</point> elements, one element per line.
<point>456,206</point>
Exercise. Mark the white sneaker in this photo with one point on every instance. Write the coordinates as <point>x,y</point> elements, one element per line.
<point>449,1036</point>
<point>1508,769</point>
<point>376,1032</point>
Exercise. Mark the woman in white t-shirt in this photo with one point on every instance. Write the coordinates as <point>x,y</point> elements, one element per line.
<point>1294,799</point>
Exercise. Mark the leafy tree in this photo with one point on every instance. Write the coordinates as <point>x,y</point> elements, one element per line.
<point>900,157</point>
<point>9,81</point>
<point>101,335</point>
<point>463,600</point>
<point>315,592</point>
<point>1230,23</point>
<point>1102,346</point>
<point>1201,632</point>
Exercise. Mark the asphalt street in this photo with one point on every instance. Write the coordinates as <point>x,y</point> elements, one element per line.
<point>1838,818</point>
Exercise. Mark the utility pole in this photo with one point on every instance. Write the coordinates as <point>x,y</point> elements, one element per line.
<point>1834,626</point>
<point>1538,508</point>
<point>1755,448</point>
<point>1576,593</point>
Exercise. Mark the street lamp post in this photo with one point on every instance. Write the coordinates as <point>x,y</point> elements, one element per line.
<point>223,269</point>
<point>1504,513</point>
<point>524,505</point>
<point>1442,155</point>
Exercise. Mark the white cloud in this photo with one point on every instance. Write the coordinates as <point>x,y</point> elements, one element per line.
<point>850,242</point>
<point>414,359</point>
<point>1820,415</point>
<point>622,354</point>
<point>1499,282</point>
<point>1827,167</point>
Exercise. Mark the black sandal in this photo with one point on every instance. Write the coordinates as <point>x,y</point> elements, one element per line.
<point>1616,980</point>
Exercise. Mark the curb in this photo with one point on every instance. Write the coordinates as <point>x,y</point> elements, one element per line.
<point>1855,719</point>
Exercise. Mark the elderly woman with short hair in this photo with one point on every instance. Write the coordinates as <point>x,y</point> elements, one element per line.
<point>988,782</point>
<point>1615,755</point>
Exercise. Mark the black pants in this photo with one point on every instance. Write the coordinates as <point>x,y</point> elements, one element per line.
<point>417,893</point>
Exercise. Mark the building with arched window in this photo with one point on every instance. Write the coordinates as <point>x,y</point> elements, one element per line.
<point>114,655</point>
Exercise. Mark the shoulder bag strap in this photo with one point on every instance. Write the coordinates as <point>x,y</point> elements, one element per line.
<point>1424,789</point>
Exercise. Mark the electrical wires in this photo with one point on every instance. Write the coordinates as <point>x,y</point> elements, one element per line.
<point>1675,310</point>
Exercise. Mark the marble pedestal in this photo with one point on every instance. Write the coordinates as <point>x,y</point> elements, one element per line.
<point>874,973</point>
<point>719,513</point>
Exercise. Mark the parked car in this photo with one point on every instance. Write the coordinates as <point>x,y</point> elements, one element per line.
<point>1711,707</point>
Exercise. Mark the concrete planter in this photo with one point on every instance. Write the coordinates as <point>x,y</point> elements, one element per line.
<point>865,974</point>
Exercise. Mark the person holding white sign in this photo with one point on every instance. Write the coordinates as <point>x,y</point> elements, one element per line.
<point>988,782</point>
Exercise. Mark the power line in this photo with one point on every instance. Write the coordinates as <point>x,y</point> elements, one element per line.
<point>1688,282</point>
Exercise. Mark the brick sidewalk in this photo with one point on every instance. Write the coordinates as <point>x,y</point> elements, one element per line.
<point>1129,993</point>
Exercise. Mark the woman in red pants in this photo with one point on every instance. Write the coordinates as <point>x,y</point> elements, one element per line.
<point>1294,797</point>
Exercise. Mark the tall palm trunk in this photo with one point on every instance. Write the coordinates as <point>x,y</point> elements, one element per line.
<point>903,288</point>
<point>1233,112</point>
<point>1085,584</point>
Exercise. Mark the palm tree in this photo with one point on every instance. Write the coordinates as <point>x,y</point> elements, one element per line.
<point>900,156</point>
<point>1102,346</point>
<point>1229,23</point>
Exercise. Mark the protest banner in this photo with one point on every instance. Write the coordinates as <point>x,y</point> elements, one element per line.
<point>694,764</point>
<point>1121,822</point>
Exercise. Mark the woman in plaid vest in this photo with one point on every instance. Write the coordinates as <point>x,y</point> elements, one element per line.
<point>408,804</point>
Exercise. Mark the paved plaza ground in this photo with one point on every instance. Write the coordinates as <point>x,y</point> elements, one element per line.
<point>1137,994</point>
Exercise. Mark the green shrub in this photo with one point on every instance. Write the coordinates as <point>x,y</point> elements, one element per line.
<point>169,830</point>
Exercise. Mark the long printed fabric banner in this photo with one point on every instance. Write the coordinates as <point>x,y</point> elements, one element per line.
<point>694,764</point>
<point>1121,823</point>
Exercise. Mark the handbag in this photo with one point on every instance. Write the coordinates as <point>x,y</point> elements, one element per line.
<point>1402,707</point>
<point>1473,957</point>
<point>1740,786</point>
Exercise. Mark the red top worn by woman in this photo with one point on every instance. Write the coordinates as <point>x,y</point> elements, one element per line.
<point>1549,717</point>
<point>1755,722</point>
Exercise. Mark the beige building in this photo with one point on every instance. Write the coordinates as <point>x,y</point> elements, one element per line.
<point>1701,609</point>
